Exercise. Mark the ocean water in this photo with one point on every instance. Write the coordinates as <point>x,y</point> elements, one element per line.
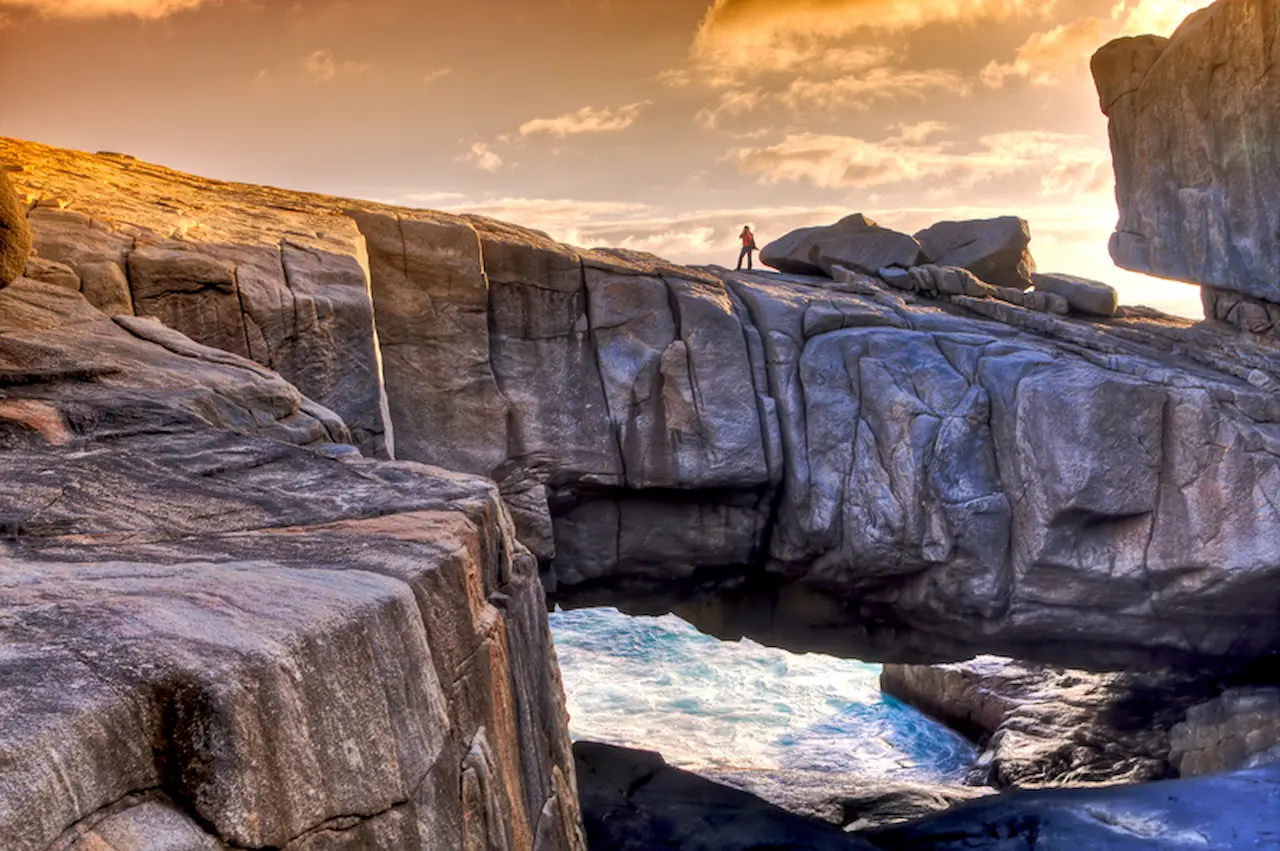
<point>659,684</point>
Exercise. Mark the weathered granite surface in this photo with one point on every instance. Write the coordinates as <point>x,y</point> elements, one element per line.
<point>836,465</point>
<point>1193,126</point>
<point>246,269</point>
<point>213,636</point>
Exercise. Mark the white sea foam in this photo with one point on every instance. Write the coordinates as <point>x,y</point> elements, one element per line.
<point>658,683</point>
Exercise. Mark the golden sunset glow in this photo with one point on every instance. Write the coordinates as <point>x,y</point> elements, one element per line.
<point>661,126</point>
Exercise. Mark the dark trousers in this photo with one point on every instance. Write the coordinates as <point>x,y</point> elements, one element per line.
<point>745,252</point>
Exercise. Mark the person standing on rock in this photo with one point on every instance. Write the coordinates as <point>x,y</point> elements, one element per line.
<point>748,246</point>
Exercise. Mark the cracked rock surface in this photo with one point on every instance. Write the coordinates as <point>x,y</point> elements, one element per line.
<point>221,628</point>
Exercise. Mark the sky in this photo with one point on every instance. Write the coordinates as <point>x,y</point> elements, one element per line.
<point>661,125</point>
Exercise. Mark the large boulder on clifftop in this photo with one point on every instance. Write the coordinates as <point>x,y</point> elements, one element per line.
<point>855,242</point>
<point>996,250</point>
<point>15,239</point>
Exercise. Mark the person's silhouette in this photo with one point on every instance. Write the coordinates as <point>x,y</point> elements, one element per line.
<point>748,246</point>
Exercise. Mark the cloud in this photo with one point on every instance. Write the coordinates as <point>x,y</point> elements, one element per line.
<point>146,9</point>
<point>750,36</point>
<point>916,154</point>
<point>323,67</point>
<point>482,157</point>
<point>1062,53</point>
<point>438,74</point>
<point>586,120</point>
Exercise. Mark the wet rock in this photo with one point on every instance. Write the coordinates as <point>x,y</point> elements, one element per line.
<point>1192,124</point>
<point>997,251</point>
<point>850,802</point>
<point>1042,727</point>
<point>1229,811</point>
<point>1082,295</point>
<point>856,242</point>
<point>634,801</point>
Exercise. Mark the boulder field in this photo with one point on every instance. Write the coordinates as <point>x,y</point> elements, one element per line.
<point>244,604</point>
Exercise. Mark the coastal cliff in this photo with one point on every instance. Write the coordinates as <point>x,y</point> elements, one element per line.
<point>231,578</point>
<point>839,466</point>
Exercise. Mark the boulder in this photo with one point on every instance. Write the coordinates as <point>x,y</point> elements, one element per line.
<point>1082,295</point>
<point>1193,121</point>
<point>15,237</point>
<point>855,242</point>
<point>995,250</point>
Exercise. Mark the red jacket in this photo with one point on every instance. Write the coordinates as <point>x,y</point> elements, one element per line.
<point>748,239</point>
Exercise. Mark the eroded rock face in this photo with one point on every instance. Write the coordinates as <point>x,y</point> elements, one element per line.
<point>215,637</point>
<point>249,270</point>
<point>1047,727</point>
<point>15,237</point>
<point>1193,124</point>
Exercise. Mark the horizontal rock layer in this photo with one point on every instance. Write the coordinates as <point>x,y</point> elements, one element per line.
<point>825,465</point>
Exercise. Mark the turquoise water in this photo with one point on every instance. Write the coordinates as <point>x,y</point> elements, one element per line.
<point>659,684</point>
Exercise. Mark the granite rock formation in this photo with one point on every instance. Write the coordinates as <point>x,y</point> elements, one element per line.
<point>855,242</point>
<point>1045,727</point>
<point>1193,123</point>
<point>838,465</point>
<point>997,251</point>
<point>222,628</point>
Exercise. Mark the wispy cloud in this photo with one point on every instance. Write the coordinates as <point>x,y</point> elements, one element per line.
<point>146,9</point>
<point>1062,53</point>
<point>323,67</point>
<point>921,154</point>
<point>438,74</point>
<point>482,157</point>
<point>586,120</point>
